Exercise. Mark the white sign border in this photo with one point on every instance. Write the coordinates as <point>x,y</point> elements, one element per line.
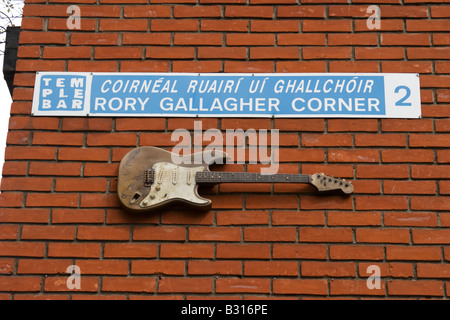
<point>391,81</point>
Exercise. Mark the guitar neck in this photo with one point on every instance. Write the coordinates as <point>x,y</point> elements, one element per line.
<point>212,177</point>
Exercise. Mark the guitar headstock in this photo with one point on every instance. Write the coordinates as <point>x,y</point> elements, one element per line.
<point>326,183</point>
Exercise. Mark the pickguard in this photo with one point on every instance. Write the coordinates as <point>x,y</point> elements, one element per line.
<point>173,182</point>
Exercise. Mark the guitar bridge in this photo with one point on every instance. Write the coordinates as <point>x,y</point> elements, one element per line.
<point>148,176</point>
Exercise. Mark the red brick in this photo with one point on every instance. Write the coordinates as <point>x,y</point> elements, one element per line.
<point>171,250</point>
<point>59,284</point>
<point>339,125</point>
<point>71,250</point>
<point>382,140</point>
<point>275,26</point>
<point>379,53</point>
<point>30,123</point>
<point>248,285</point>
<point>417,253</point>
<point>92,66</point>
<point>7,266</point>
<point>299,251</point>
<point>345,39</point>
<point>83,154</point>
<point>174,25</point>
<point>89,38</point>
<point>382,171</point>
<point>430,203</point>
<point>326,53</point>
<point>325,234</point>
<point>249,11</point>
<point>159,233</point>
<point>123,25</point>
<point>300,286</point>
<point>214,234</point>
<point>48,232</point>
<point>388,203</point>
<point>382,235</point>
<point>239,39</point>
<point>49,200</point>
<point>225,25</point>
<point>198,11</point>
<point>354,288</point>
<point>356,252</point>
<point>340,218</point>
<point>197,66</point>
<point>249,66</point>
<point>402,155</point>
<point>407,66</point>
<point>239,251</point>
<point>103,233</point>
<point>431,236</point>
<point>24,215</point>
<point>128,250</point>
<point>284,234</point>
<point>118,52</point>
<point>30,184</point>
<point>427,25</point>
<point>415,288</point>
<point>300,11</point>
<point>164,267</point>
<point>222,53</point>
<point>271,268</point>
<point>297,218</point>
<point>412,39</point>
<point>127,284</point>
<point>30,153</point>
<point>157,52</point>
<point>193,285</point>
<point>202,267</point>
<point>58,138</point>
<point>111,139</point>
<point>20,284</point>
<point>146,12</point>
<point>61,169</point>
<point>390,269</point>
<point>103,267</point>
<point>22,249</point>
<point>428,219</point>
<point>326,26</point>
<point>433,270</point>
<point>36,37</point>
<point>409,187</point>
<point>34,266</point>
<point>328,269</point>
<point>144,66</point>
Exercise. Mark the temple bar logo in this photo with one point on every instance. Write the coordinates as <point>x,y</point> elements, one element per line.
<point>227,95</point>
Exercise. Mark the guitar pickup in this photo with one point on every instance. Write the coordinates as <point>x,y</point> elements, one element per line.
<point>148,177</point>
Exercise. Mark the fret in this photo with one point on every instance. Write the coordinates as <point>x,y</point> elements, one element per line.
<point>250,177</point>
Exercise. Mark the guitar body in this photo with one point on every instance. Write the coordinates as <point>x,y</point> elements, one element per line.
<point>149,180</point>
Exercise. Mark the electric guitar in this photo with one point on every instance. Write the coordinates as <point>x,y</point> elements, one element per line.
<point>149,179</point>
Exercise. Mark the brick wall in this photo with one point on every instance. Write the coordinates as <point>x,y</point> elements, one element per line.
<point>59,204</point>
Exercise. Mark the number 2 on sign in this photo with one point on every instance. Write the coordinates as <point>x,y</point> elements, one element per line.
<point>402,102</point>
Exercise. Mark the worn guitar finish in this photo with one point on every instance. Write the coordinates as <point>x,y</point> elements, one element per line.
<point>148,179</point>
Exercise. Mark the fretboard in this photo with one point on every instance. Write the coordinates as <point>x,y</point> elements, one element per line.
<point>250,177</point>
